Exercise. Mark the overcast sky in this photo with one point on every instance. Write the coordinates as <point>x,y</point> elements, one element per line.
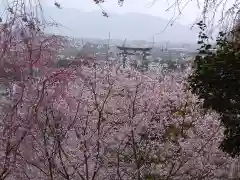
<point>190,13</point>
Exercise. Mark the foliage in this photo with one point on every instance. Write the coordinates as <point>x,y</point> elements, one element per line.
<point>216,80</point>
<point>108,124</point>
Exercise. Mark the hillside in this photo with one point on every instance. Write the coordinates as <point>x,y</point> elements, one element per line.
<point>133,26</point>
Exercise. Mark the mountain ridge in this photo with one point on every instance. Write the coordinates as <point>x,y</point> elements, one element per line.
<point>133,26</point>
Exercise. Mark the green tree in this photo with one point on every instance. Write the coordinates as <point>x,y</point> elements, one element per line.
<point>216,80</point>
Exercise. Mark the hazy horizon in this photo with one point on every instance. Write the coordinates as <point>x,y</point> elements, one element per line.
<point>73,28</point>
<point>131,25</point>
<point>189,14</point>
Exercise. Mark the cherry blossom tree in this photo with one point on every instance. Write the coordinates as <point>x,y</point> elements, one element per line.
<point>25,53</point>
<point>133,127</point>
<point>113,123</point>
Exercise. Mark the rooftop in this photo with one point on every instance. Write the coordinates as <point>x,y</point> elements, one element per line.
<point>134,48</point>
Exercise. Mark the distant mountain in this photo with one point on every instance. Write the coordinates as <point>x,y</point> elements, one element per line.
<point>133,26</point>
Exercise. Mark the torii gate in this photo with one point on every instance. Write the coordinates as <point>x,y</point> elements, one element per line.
<point>135,51</point>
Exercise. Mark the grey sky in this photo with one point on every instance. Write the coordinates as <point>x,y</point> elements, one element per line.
<point>190,13</point>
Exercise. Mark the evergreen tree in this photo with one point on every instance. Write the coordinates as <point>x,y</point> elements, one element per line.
<point>216,80</point>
